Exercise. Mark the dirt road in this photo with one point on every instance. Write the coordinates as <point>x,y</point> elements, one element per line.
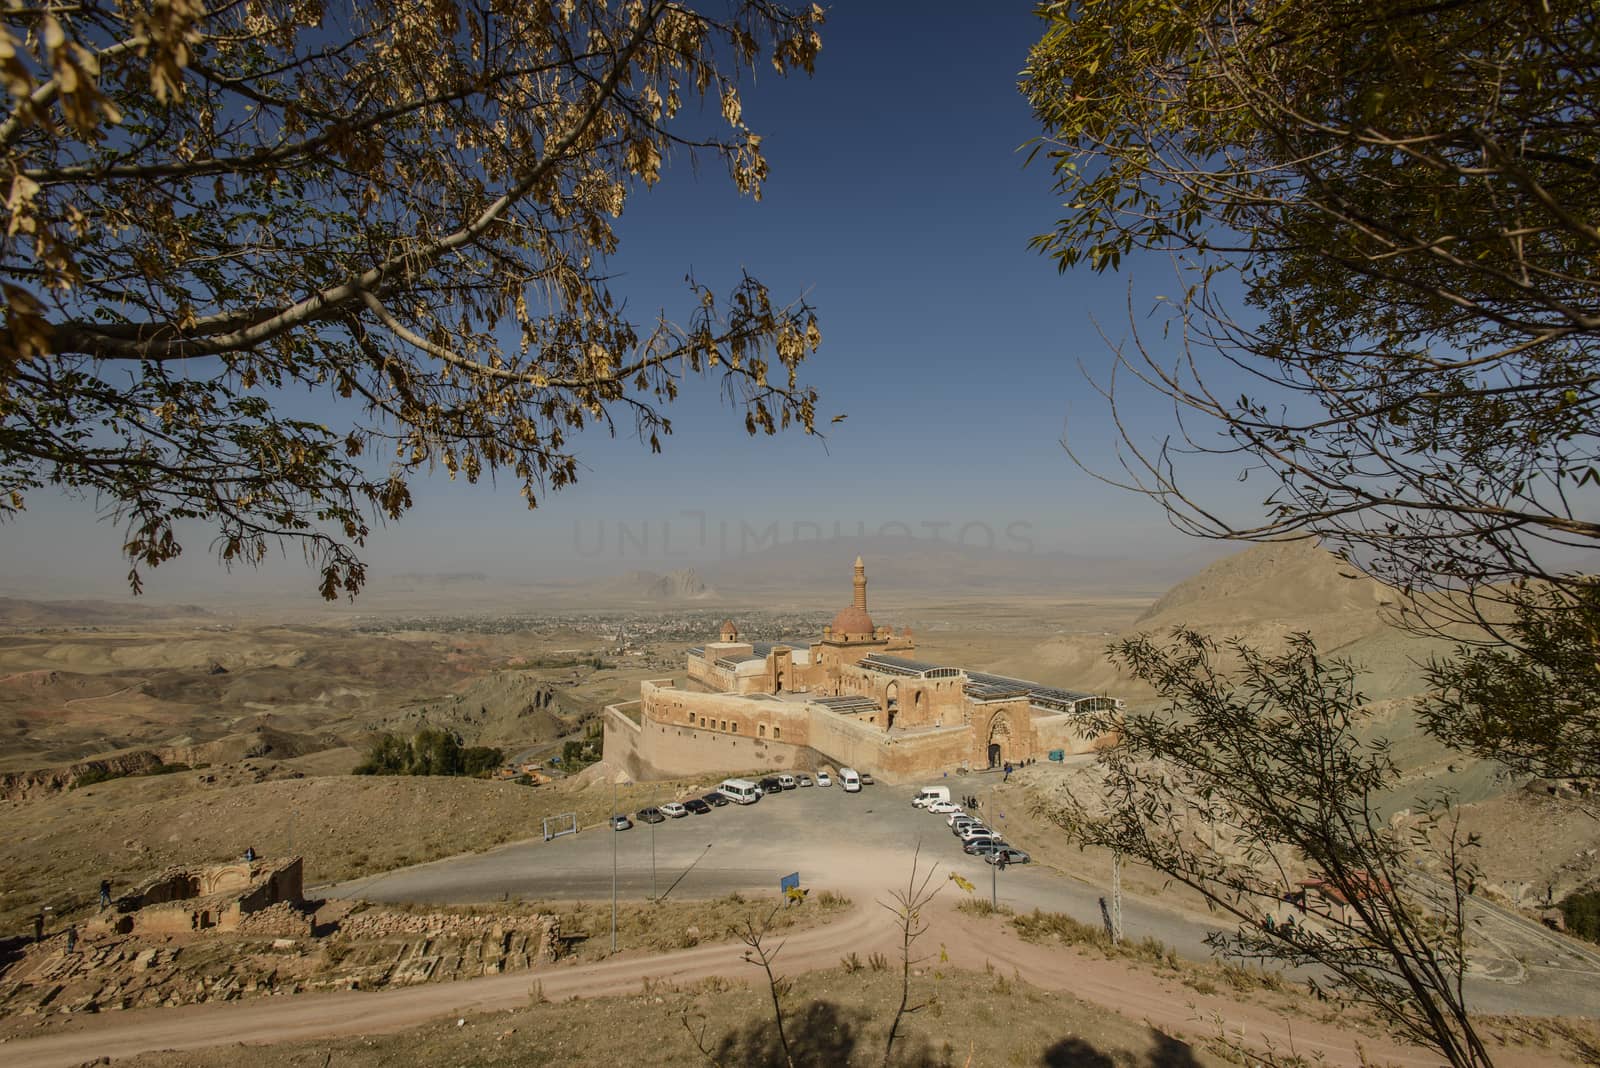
<point>867,928</point>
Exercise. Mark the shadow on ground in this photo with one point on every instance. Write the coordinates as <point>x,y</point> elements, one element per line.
<point>826,1035</point>
<point>1166,1052</point>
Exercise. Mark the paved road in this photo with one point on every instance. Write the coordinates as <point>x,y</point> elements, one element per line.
<point>863,844</point>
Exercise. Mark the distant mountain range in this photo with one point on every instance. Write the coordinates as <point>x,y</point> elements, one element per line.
<point>16,612</point>
<point>921,569</point>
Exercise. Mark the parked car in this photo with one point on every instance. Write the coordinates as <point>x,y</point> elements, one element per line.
<point>803,779</point>
<point>944,808</point>
<point>697,805</point>
<point>651,815</point>
<point>675,810</point>
<point>976,830</point>
<point>1012,854</point>
<point>716,799</point>
<point>619,822</point>
<point>983,843</point>
<point>866,778</point>
<point>824,779</point>
<point>957,817</point>
<point>771,786</point>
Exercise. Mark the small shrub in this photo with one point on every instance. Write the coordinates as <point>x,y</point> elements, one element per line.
<point>1581,911</point>
<point>982,906</point>
<point>851,964</point>
<point>878,962</point>
<point>827,899</point>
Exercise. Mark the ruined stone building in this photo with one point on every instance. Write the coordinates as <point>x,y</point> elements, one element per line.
<point>853,698</point>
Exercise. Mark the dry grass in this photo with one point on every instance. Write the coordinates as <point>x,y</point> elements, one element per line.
<point>1204,978</point>
<point>681,924</point>
<point>834,1019</point>
<point>54,851</point>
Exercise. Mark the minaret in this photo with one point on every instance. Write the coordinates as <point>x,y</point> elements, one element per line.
<point>860,600</point>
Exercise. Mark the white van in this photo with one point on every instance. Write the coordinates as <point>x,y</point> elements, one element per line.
<point>740,791</point>
<point>787,782</point>
<point>850,780</point>
<point>931,794</point>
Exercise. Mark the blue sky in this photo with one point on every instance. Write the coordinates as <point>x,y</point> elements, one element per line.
<point>899,204</point>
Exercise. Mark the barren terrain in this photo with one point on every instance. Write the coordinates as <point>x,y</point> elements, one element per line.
<point>258,727</point>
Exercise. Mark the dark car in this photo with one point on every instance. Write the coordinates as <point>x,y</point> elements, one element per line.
<point>803,779</point>
<point>651,815</point>
<point>771,786</point>
<point>697,806</point>
<point>980,846</point>
<point>715,799</point>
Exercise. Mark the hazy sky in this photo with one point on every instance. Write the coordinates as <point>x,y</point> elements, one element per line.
<point>899,204</point>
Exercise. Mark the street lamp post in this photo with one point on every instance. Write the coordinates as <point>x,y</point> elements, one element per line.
<point>613,824</point>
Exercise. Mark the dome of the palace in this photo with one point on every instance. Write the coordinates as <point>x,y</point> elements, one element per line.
<point>853,621</point>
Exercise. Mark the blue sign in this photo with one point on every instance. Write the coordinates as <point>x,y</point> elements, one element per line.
<point>789,882</point>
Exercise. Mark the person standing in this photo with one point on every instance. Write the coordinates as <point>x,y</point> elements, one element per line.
<point>38,927</point>
<point>105,893</point>
<point>72,939</point>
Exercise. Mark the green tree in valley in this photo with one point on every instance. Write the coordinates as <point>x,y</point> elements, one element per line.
<point>405,207</point>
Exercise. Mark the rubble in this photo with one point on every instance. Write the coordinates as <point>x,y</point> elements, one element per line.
<point>366,950</point>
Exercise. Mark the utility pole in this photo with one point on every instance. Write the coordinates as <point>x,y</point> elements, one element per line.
<point>613,864</point>
<point>994,883</point>
<point>1116,897</point>
<point>652,855</point>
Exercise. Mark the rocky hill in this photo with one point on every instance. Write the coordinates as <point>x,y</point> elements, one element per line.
<point>1281,580</point>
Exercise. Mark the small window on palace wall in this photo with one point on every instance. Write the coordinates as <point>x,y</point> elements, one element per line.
<point>761,730</point>
<point>702,721</point>
<point>777,732</point>
<point>724,724</point>
<point>736,726</point>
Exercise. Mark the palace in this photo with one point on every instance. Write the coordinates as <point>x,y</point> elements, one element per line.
<point>854,698</point>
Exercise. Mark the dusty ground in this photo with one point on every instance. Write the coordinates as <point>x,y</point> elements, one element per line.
<point>1001,1001</point>
<point>355,946</point>
<point>55,850</point>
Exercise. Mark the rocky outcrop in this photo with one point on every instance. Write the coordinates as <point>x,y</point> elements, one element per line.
<point>42,782</point>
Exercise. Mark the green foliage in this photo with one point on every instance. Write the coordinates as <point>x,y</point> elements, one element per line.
<point>430,752</point>
<point>1403,194</point>
<point>407,208</point>
<point>481,760</point>
<point>1582,914</point>
<point>106,774</point>
<point>96,775</point>
<point>1534,706</point>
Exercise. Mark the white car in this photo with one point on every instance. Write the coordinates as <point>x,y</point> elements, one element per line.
<point>673,809</point>
<point>958,816</point>
<point>977,830</point>
<point>944,808</point>
<point>824,779</point>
